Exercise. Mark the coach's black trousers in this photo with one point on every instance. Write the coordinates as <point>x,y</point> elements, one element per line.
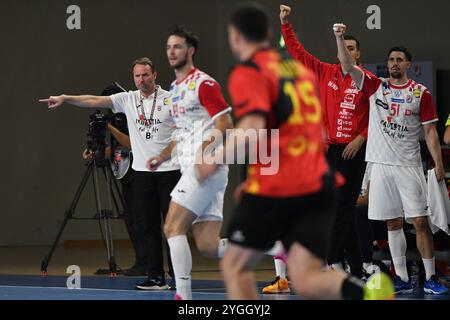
<point>150,202</point>
<point>345,242</point>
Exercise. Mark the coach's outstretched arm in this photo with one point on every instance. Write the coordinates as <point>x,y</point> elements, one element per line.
<point>79,101</point>
<point>345,57</point>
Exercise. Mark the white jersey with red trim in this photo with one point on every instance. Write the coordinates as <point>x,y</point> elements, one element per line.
<point>195,102</point>
<point>397,114</point>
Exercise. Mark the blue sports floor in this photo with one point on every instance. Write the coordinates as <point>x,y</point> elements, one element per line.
<point>120,288</point>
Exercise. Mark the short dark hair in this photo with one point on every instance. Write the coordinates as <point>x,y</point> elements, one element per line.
<point>350,37</point>
<point>144,61</point>
<point>189,36</point>
<point>252,21</point>
<point>403,49</point>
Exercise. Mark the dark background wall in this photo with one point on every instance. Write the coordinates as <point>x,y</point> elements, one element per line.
<point>39,56</point>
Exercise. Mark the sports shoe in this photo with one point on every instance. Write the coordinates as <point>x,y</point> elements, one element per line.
<point>379,286</point>
<point>402,287</point>
<point>278,285</point>
<point>158,283</point>
<point>433,286</point>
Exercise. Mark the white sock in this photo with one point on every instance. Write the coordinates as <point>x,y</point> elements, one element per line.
<point>222,247</point>
<point>180,253</point>
<point>277,249</point>
<point>400,268</point>
<point>429,265</point>
<point>397,246</point>
<point>280,268</point>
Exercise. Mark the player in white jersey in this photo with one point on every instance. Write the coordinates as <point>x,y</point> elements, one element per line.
<point>197,106</point>
<point>399,108</point>
<point>151,129</point>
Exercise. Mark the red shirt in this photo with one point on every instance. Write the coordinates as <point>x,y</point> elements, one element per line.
<point>286,93</point>
<point>346,108</point>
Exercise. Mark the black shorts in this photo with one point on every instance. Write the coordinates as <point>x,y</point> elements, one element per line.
<point>259,222</point>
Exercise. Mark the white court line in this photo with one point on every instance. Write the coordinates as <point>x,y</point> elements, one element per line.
<point>88,289</point>
<point>114,290</point>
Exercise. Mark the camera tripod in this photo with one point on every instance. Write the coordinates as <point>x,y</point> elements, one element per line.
<point>104,215</point>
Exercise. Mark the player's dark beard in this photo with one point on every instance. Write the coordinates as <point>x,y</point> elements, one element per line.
<point>396,75</point>
<point>181,64</point>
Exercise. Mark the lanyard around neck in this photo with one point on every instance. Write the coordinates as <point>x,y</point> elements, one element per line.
<point>141,105</point>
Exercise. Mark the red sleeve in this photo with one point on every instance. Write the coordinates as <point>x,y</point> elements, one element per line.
<point>427,109</point>
<point>249,91</point>
<point>211,97</point>
<point>370,83</point>
<point>298,52</point>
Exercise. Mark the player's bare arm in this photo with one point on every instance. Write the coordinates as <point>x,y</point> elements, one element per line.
<point>353,148</point>
<point>344,55</point>
<point>248,122</point>
<point>432,140</point>
<point>285,11</point>
<point>85,101</point>
<point>221,123</point>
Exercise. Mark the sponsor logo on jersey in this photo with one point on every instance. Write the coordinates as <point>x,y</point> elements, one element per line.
<point>192,85</point>
<point>398,100</point>
<point>349,98</point>
<point>147,122</point>
<point>416,93</point>
<point>346,115</point>
<point>349,106</point>
<point>333,85</point>
<point>409,99</point>
<point>345,123</point>
<point>397,93</point>
<point>382,104</point>
<point>351,91</point>
<point>342,135</point>
<point>394,126</point>
<point>349,102</point>
<point>183,94</point>
<point>166,101</point>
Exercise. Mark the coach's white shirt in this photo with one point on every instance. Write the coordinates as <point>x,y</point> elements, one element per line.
<point>149,133</point>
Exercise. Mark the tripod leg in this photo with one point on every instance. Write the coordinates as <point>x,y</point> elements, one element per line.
<point>107,223</point>
<point>67,215</point>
